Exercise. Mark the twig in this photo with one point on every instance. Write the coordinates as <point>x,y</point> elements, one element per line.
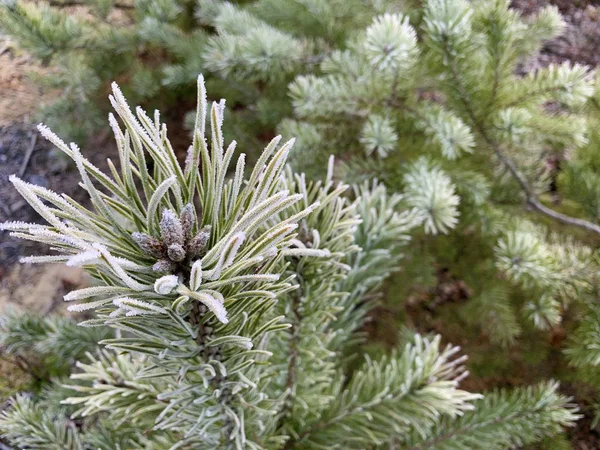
<point>4,207</point>
<point>25,162</point>
<point>67,3</point>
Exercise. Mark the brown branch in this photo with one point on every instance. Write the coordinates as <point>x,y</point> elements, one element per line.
<point>68,3</point>
<point>28,154</point>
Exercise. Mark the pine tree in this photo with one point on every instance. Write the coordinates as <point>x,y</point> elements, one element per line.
<point>233,302</point>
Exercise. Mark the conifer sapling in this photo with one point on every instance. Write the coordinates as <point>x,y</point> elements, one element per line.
<point>235,301</point>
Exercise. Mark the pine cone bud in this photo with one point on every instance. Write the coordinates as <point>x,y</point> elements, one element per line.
<point>163,266</point>
<point>197,245</point>
<point>176,252</point>
<point>171,230</point>
<point>149,245</point>
<point>188,220</point>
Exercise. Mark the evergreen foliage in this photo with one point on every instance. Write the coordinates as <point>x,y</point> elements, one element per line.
<point>36,342</point>
<point>226,290</point>
<point>501,420</point>
<point>223,294</point>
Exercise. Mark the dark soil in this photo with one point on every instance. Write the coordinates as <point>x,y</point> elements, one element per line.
<point>44,168</point>
<point>580,42</point>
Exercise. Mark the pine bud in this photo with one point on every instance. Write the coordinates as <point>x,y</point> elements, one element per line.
<point>197,245</point>
<point>176,252</point>
<point>170,228</point>
<point>188,220</point>
<point>163,266</point>
<point>150,245</point>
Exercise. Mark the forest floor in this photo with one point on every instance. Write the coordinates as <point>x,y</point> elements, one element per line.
<point>580,42</point>
<point>24,153</point>
<point>32,287</point>
<point>20,96</point>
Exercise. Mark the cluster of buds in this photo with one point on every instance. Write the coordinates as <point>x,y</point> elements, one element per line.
<point>177,246</point>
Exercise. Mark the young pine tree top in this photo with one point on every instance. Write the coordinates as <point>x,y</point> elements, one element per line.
<point>224,293</point>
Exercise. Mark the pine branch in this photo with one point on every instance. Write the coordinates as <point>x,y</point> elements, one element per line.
<point>386,398</point>
<point>206,334</point>
<point>530,196</point>
<point>211,353</point>
<point>503,419</point>
<point>190,286</point>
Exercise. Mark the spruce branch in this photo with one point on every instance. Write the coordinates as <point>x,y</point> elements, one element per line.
<point>583,350</point>
<point>27,426</point>
<point>530,196</point>
<point>311,307</point>
<point>503,419</point>
<point>389,397</point>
